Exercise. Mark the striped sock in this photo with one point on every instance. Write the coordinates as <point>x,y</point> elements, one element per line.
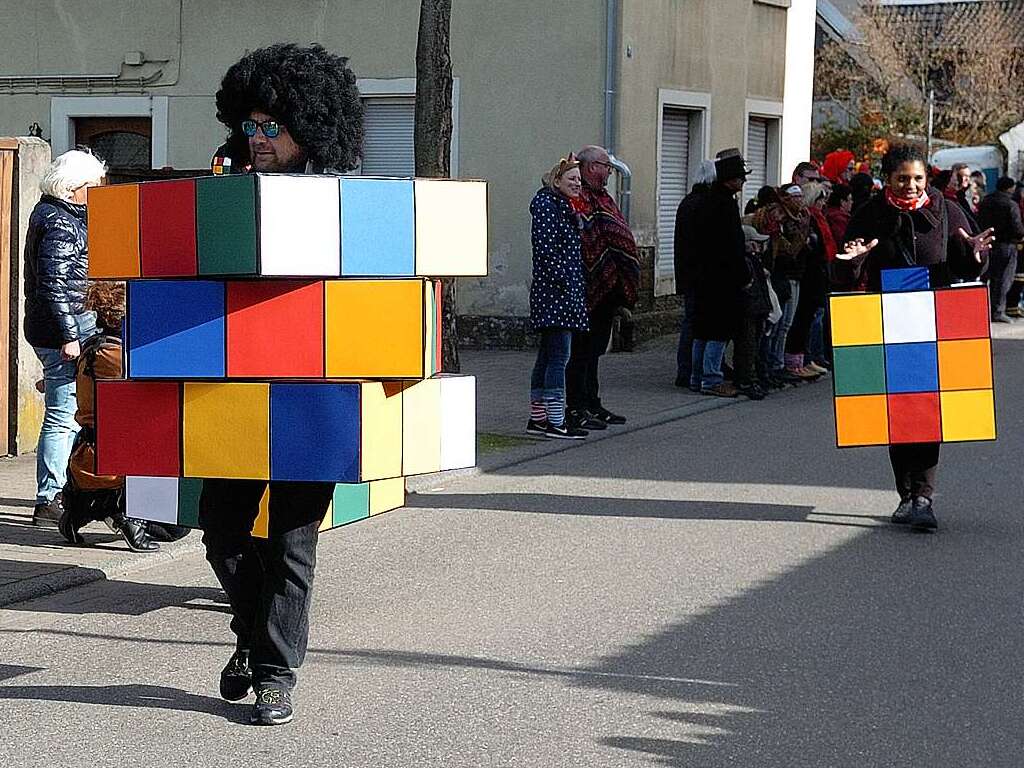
<point>556,412</point>
<point>537,411</point>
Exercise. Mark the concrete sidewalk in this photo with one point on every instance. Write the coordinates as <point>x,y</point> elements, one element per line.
<point>639,385</point>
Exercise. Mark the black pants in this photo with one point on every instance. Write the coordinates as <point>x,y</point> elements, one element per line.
<point>1002,264</point>
<point>747,363</point>
<point>269,582</point>
<point>582,389</point>
<point>914,466</point>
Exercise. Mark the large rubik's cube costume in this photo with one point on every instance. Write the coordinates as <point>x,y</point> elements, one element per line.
<point>912,364</point>
<point>284,327</point>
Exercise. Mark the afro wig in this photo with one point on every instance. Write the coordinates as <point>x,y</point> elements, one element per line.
<point>310,90</point>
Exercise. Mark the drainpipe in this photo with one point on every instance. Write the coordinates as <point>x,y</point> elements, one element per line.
<point>611,58</point>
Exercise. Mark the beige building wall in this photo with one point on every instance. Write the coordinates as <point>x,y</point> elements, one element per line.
<point>530,83</point>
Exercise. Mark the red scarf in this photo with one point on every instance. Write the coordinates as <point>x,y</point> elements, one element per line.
<point>907,205</point>
<point>828,242</point>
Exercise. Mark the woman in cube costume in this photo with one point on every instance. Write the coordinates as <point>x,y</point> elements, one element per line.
<point>910,224</point>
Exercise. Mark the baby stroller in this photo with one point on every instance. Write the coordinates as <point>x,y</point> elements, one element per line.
<point>89,496</point>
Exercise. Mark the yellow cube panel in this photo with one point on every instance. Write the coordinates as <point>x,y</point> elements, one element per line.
<point>114,231</point>
<point>451,227</point>
<point>227,430</point>
<point>965,364</point>
<point>261,525</point>
<point>862,420</point>
<point>381,409</point>
<point>856,319</point>
<point>386,495</point>
<point>375,328</point>
<point>421,427</point>
<point>968,415</point>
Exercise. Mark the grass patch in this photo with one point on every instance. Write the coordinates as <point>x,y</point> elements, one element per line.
<point>491,442</point>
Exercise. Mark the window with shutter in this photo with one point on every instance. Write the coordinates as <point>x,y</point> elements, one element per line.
<point>673,182</point>
<point>388,148</point>
<point>756,157</point>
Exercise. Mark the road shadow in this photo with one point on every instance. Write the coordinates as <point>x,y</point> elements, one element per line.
<point>141,696</point>
<point>120,598</point>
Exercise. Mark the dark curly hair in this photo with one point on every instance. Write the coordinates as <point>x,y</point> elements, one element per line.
<point>899,154</point>
<point>310,90</point>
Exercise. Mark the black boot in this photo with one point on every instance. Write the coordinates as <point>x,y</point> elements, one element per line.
<point>133,532</point>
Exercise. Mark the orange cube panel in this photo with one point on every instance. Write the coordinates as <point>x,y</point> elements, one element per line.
<point>965,364</point>
<point>862,420</point>
<point>114,231</point>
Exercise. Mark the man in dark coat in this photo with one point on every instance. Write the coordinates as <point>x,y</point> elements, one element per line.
<point>719,276</point>
<point>1002,213</point>
<point>683,249</point>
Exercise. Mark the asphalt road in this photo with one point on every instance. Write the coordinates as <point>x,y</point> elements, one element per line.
<point>721,590</point>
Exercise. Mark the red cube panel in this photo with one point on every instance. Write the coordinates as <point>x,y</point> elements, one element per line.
<point>167,228</point>
<point>275,329</point>
<point>138,428</point>
<point>915,418</point>
<point>962,313</point>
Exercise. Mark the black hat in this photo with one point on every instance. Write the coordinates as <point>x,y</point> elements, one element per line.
<point>729,164</point>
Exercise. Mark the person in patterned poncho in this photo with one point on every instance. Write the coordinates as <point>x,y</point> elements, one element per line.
<point>611,265</point>
<point>557,301</point>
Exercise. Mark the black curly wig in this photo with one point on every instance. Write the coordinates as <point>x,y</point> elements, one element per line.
<point>310,90</point>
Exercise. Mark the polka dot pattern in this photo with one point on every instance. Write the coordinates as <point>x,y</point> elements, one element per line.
<point>558,291</point>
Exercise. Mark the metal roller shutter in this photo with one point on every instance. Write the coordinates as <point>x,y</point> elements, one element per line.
<point>388,148</point>
<point>673,182</point>
<point>757,157</point>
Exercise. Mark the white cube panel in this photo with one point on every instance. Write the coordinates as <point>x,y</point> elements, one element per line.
<point>908,317</point>
<point>451,227</point>
<point>458,422</point>
<point>300,226</point>
<point>152,498</point>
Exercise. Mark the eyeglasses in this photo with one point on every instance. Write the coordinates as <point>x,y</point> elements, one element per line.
<point>271,128</point>
<point>607,165</point>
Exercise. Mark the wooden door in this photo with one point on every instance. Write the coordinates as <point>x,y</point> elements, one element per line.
<point>8,233</point>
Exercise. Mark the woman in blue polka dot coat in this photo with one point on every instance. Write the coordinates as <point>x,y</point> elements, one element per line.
<point>557,296</point>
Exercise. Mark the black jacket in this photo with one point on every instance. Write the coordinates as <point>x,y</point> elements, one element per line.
<point>1001,212</point>
<point>720,266</point>
<point>684,245</point>
<point>56,272</point>
<point>927,237</point>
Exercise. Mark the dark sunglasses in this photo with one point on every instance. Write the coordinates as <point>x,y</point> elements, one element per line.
<point>271,128</point>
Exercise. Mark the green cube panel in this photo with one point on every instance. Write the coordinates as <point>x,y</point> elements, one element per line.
<point>859,370</point>
<point>351,503</point>
<point>226,225</point>
<point>189,490</point>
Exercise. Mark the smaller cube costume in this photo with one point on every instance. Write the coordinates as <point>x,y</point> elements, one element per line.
<point>912,364</point>
<point>284,327</point>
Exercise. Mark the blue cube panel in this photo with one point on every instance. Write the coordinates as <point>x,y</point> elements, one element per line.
<point>314,432</point>
<point>912,367</point>
<point>175,329</point>
<point>909,279</point>
<point>378,224</point>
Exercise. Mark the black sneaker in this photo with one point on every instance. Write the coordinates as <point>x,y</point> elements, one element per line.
<point>903,512</point>
<point>537,428</point>
<point>48,514</point>
<point>752,392</point>
<point>236,677</point>
<point>273,706</point>
<point>582,419</point>
<point>922,518</point>
<point>603,414</point>
<point>565,432</point>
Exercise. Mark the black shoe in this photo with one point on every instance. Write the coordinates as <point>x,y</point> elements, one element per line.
<point>537,428</point>
<point>273,706</point>
<point>68,528</point>
<point>133,532</point>
<point>903,512</point>
<point>1002,319</point>
<point>564,432</point>
<point>603,414</point>
<point>581,419</point>
<point>922,517</point>
<point>751,392</point>
<point>236,677</point>
<point>683,383</point>
<point>48,515</point>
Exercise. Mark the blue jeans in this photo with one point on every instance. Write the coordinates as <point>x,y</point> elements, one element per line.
<point>57,434</point>
<point>816,338</point>
<point>548,380</point>
<point>777,342</point>
<point>684,353</point>
<point>707,363</point>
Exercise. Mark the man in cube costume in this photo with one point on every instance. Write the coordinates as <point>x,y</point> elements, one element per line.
<point>288,109</point>
<point>910,224</point>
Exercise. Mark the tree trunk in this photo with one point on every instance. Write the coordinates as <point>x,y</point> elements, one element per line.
<point>433,136</point>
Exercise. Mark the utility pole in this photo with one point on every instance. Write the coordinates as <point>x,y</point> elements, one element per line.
<point>931,124</point>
